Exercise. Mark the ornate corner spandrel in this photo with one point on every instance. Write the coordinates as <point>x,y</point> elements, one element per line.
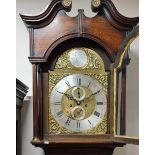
<point>113,16</point>
<point>95,69</point>
<point>94,61</point>
<point>45,18</point>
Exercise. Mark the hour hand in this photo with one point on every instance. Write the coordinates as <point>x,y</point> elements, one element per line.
<point>67,95</point>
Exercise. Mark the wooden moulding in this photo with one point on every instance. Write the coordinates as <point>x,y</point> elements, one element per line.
<point>54,26</point>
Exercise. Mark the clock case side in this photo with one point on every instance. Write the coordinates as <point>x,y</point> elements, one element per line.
<point>51,142</point>
<point>110,32</point>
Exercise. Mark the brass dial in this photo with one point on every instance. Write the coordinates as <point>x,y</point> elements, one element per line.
<point>78,102</point>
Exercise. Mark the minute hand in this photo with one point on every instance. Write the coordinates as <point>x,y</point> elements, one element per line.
<point>96,92</point>
<point>67,95</point>
<point>93,94</point>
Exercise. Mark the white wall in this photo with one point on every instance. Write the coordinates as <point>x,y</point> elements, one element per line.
<point>24,73</point>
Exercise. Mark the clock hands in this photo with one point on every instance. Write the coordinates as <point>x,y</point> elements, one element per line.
<point>70,97</point>
<point>93,94</point>
<point>78,102</point>
<point>97,92</point>
<point>79,92</point>
<point>78,112</point>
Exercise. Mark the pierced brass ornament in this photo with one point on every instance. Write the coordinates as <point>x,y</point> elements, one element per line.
<point>94,61</point>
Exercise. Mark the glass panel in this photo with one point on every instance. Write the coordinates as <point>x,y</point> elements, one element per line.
<point>132,92</point>
<point>132,99</point>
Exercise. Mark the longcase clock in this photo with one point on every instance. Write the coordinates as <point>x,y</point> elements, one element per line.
<point>76,62</point>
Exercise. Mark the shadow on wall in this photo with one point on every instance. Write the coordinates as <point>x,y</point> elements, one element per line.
<point>132,109</point>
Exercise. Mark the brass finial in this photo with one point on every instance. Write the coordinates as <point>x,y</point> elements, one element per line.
<point>95,3</point>
<point>35,140</point>
<point>67,3</point>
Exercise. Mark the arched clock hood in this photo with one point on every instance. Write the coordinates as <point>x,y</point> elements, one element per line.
<point>54,26</point>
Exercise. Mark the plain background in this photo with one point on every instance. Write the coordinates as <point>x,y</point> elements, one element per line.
<point>126,7</point>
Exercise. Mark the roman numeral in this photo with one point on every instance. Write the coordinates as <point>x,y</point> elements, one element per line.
<point>68,84</point>
<point>89,84</point>
<point>90,123</point>
<point>79,81</point>
<point>78,124</point>
<point>57,103</point>
<point>96,113</point>
<point>99,103</point>
<point>58,91</point>
<point>60,113</point>
<point>68,121</point>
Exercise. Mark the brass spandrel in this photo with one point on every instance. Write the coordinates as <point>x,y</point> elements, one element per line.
<point>94,60</point>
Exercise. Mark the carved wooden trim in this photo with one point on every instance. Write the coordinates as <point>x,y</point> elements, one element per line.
<point>114,17</point>
<point>67,37</point>
<point>46,17</point>
<point>111,13</point>
<point>31,40</point>
<point>40,102</point>
<point>35,103</point>
<point>108,17</point>
<point>80,21</point>
<point>125,44</point>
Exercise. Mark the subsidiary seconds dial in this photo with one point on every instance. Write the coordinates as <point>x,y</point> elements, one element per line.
<point>78,102</point>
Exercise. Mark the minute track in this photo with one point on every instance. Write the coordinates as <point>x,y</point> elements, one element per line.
<point>79,102</point>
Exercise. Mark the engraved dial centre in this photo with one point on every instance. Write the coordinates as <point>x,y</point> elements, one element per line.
<point>82,102</point>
